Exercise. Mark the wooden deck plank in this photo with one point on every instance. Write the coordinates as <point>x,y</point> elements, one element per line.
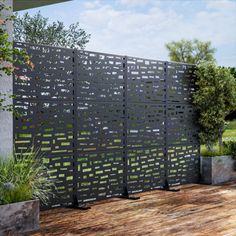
<point>195,210</point>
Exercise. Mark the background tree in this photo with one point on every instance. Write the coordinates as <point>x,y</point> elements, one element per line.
<point>194,52</point>
<point>214,99</point>
<point>37,29</point>
<point>233,71</point>
<point>232,115</point>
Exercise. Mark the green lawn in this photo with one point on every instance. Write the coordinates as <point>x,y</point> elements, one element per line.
<point>232,125</point>
<point>230,133</point>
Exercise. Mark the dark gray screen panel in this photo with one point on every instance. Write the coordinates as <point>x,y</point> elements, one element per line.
<point>183,164</point>
<point>146,170</point>
<point>181,126</point>
<point>100,125</point>
<point>52,76</point>
<point>48,126</point>
<point>145,80</point>
<point>145,125</point>
<point>100,175</point>
<point>180,82</point>
<point>145,104</point>
<point>100,77</point>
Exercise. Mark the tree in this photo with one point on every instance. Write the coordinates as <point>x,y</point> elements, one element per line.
<point>194,52</point>
<point>214,99</point>
<point>9,55</point>
<point>233,71</point>
<point>37,29</point>
<point>232,115</point>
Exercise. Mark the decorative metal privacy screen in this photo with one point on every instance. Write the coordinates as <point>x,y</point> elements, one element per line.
<point>107,125</point>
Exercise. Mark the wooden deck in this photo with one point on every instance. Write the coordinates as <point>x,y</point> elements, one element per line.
<point>195,210</point>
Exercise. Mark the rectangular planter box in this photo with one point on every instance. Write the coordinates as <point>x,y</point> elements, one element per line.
<point>218,169</point>
<point>19,217</point>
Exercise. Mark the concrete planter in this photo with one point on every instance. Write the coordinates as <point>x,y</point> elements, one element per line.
<point>19,217</point>
<point>218,169</point>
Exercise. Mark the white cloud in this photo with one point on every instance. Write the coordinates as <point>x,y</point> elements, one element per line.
<point>133,3</point>
<point>144,34</point>
<point>126,32</point>
<point>221,4</point>
<point>91,5</point>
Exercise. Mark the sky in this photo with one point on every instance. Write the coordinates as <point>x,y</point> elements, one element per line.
<point>141,28</point>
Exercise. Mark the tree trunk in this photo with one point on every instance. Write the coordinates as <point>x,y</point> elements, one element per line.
<point>209,147</point>
<point>221,139</point>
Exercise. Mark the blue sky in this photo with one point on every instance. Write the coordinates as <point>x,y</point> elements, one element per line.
<point>142,27</point>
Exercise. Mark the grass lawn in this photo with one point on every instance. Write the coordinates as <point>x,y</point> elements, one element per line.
<point>230,133</point>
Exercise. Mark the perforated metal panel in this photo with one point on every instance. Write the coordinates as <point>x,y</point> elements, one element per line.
<point>52,77</point>
<point>182,144</point>
<point>100,130</point>
<point>146,124</point>
<point>107,124</point>
<point>44,98</point>
<point>180,82</point>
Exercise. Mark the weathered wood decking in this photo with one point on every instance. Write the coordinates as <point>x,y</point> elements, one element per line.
<point>195,210</point>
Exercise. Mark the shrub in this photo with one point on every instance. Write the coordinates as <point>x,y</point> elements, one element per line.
<point>23,178</point>
<point>230,145</point>
<point>214,152</point>
<point>214,99</point>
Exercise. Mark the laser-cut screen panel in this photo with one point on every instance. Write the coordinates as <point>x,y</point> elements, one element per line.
<point>180,82</point>
<point>181,124</point>
<point>48,126</point>
<point>51,76</point>
<point>100,175</point>
<point>183,164</point>
<point>146,169</point>
<point>145,80</point>
<point>100,126</point>
<point>60,168</point>
<point>100,77</point>
<point>146,126</point>
<point>45,125</point>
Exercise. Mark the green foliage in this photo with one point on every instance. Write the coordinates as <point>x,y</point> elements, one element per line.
<point>233,71</point>
<point>214,99</point>
<point>23,178</point>
<point>230,145</point>
<point>228,135</point>
<point>37,29</point>
<point>194,52</point>
<point>214,152</point>
<point>8,54</point>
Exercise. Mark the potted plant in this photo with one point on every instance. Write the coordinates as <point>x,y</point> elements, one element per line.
<point>216,167</point>
<point>23,184</point>
<point>214,99</point>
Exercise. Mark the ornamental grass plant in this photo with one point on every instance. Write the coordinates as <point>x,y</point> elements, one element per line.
<point>24,177</point>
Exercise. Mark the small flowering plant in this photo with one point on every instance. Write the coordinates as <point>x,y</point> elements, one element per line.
<point>9,55</point>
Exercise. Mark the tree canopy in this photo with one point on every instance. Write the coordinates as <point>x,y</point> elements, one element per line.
<point>38,29</point>
<point>214,99</point>
<point>191,51</point>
